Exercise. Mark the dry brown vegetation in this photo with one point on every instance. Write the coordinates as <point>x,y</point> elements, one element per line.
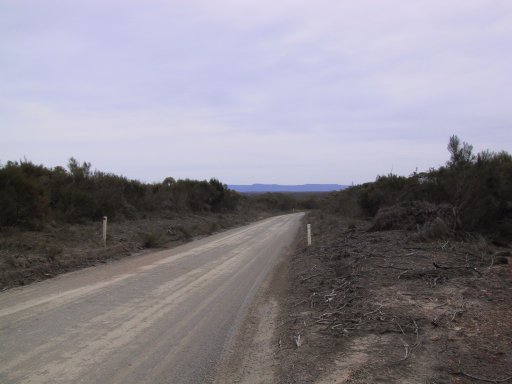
<point>408,280</point>
<point>396,306</point>
<point>27,256</point>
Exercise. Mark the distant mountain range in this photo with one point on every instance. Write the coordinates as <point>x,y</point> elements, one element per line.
<point>261,188</point>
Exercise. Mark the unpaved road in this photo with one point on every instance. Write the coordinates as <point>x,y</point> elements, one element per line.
<point>165,317</point>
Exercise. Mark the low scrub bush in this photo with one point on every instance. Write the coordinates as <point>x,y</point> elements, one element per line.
<point>434,230</point>
<point>470,193</point>
<point>152,240</point>
<point>31,195</point>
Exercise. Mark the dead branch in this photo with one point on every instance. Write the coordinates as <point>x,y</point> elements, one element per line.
<point>309,277</point>
<point>376,310</point>
<point>492,264</point>
<point>390,266</point>
<point>340,325</point>
<point>328,314</point>
<point>457,267</point>
<point>416,332</point>
<point>298,340</point>
<point>406,347</point>
<point>415,328</point>
<point>308,270</point>
<point>299,303</point>
<point>487,380</point>
<point>402,273</point>
<point>294,318</point>
<point>399,326</point>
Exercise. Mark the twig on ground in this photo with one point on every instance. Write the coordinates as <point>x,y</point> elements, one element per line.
<point>299,303</point>
<point>294,318</point>
<point>415,328</point>
<point>390,266</point>
<point>457,267</point>
<point>298,340</point>
<point>406,347</point>
<point>309,277</point>
<point>403,273</point>
<point>416,332</point>
<point>479,378</point>
<point>492,263</point>
<point>399,326</point>
<point>376,310</point>
<point>308,270</point>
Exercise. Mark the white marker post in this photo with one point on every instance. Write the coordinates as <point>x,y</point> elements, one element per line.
<point>309,234</point>
<point>105,231</point>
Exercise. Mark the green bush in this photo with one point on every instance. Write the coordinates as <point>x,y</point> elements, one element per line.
<point>152,240</point>
<point>33,194</point>
<point>23,199</point>
<point>477,187</point>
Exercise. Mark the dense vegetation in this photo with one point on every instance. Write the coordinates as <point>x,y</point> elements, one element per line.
<point>477,188</point>
<point>33,194</point>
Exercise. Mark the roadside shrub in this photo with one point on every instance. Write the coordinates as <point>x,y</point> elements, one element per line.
<point>386,191</point>
<point>476,190</point>
<point>272,201</point>
<point>435,230</point>
<point>152,240</point>
<point>410,215</point>
<point>31,195</point>
<point>213,227</point>
<point>23,199</point>
<point>184,232</point>
<point>345,202</point>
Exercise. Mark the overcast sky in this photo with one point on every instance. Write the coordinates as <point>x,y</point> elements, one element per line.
<point>281,91</point>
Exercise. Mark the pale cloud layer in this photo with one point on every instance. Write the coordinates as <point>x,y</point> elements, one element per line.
<point>254,91</point>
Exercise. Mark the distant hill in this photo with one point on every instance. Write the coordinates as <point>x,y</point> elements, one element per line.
<point>261,188</point>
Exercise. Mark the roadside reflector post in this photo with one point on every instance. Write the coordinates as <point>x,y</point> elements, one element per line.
<point>309,234</point>
<point>105,231</point>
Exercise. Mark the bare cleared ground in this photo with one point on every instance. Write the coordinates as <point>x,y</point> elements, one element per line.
<point>384,307</point>
<point>28,256</point>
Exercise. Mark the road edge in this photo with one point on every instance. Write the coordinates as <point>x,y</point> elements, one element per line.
<point>250,355</point>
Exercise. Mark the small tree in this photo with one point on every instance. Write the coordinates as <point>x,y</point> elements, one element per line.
<point>79,172</point>
<point>459,155</point>
<point>23,199</point>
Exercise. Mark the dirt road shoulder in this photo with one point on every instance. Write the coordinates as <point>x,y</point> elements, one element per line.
<point>251,357</point>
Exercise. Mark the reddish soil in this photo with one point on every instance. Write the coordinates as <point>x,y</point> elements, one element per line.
<point>385,307</point>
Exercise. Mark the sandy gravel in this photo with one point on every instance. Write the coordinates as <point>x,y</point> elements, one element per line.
<point>165,317</point>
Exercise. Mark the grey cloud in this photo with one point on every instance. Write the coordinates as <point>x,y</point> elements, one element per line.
<point>254,85</point>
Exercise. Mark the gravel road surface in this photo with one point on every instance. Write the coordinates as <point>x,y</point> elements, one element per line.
<point>163,317</point>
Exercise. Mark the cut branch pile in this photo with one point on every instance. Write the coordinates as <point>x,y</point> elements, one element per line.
<point>424,305</point>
